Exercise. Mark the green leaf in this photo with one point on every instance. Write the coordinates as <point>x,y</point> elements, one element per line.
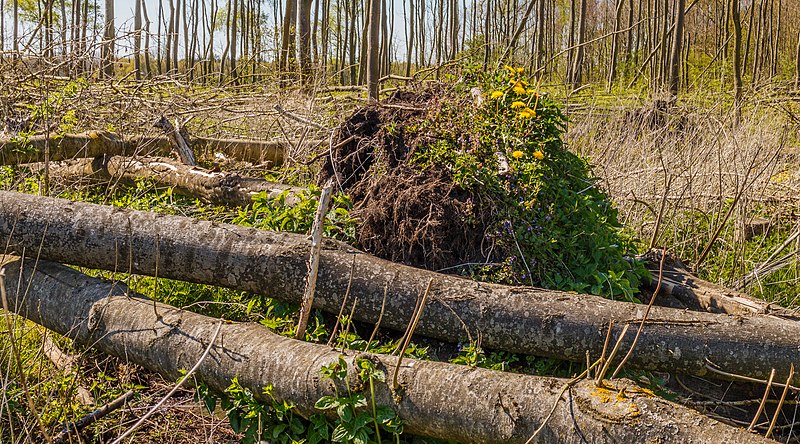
<point>326,402</point>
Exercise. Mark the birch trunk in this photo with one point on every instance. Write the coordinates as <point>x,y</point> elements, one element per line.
<point>518,319</point>
<point>211,187</point>
<point>446,401</point>
<point>93,144</point>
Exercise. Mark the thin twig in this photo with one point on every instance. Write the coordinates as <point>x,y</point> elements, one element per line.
<point>174,389</point>
<point>602,359</point>
<point>780,403</point>
<point>763,401</point>
<point>613,353</point>
<point>77,426</point>
<point>412,327</point>
<point>313,260</point>
<point>349,322</point>
<point>646,313</point>
<point>344,301</point>
<point>380,316</point>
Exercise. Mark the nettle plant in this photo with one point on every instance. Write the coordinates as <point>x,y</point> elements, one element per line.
<point>550,223</point>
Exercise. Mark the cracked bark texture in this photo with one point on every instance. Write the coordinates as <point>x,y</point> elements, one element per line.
<point>446,401</point>
<point>518,319</point>
<point>96,143</point>
<point>211,187</point>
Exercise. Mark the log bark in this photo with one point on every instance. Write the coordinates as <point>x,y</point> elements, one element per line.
<point>97,143</point>
<point>446,401</point>
<point>689,291</point>
<point>518,319</point>
<point>216,188</point>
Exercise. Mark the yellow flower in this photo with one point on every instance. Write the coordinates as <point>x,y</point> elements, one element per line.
<point>530,111</point>
<point>517,154</point>
<point>496,94</point>
<point>538,155</point>
<point>520,70</point>
<point>517,104</point>
<point>510,69</point>
<point>519,90</point>
<point>525,114</point>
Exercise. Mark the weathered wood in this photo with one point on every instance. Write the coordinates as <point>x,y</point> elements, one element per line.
<point>216,188</point>
<point>178,141</point>
<point>446,401</point>
<point>96,143</point>
<point>697,294</point>
<point>518,319</point>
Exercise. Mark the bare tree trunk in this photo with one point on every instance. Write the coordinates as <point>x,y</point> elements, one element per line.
<point>15,30</point>
<point>108,40</point>
<point>234,34</point>
<point>373,57</point>
<point>287,36</point>
<point>577,64</point>
<point>137,39</point>
<point>214,188</point>
<point>147,66</point>
<point>410,36</point>
<point>523,320</point>
<point>440,400</point>
<point>71,146</point>
<point>675,56</point>
<point>797,64</point>
<point>168,38</point>
<point>737,54</point>
<point>303,44</point>
<point>612,70</point>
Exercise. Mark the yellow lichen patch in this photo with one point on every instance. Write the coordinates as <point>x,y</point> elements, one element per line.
<point>93,135</point>
<point>602,394</point>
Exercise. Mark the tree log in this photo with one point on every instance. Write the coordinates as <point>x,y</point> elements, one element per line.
<point>697,294</point>
<point>518,319</point>
<point>446,401</point>
<point>97,143</point>
<point>211,187</point>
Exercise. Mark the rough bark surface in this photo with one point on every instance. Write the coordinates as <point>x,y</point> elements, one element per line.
<point>446,401</point>
<point>93,144</point>
<point>518,319</point>
<point>212,187</point>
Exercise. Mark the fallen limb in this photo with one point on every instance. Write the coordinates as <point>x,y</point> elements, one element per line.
<point>98,414</point>
<point>97,143</point>
<point>446,401</point>
<point>518,319</point>
<point>216,188</point>
<point>697,294</point>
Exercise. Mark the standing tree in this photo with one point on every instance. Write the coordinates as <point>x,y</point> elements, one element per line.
<point>373,43</point>
<point>303,44</point>
<point>108,40</point>
<point>677,43</point>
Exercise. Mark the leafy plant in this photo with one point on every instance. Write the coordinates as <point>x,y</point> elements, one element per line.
<point>549,221</point>
<point>277,213</point>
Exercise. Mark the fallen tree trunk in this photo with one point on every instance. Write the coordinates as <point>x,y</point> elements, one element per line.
<point>440,400</point>
<point>211,187</point>
<point>518,319</point>
<point>689,291</point>
<point>97,143</point>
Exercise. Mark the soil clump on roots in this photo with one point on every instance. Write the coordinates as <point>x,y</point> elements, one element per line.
<point>408,214</point>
